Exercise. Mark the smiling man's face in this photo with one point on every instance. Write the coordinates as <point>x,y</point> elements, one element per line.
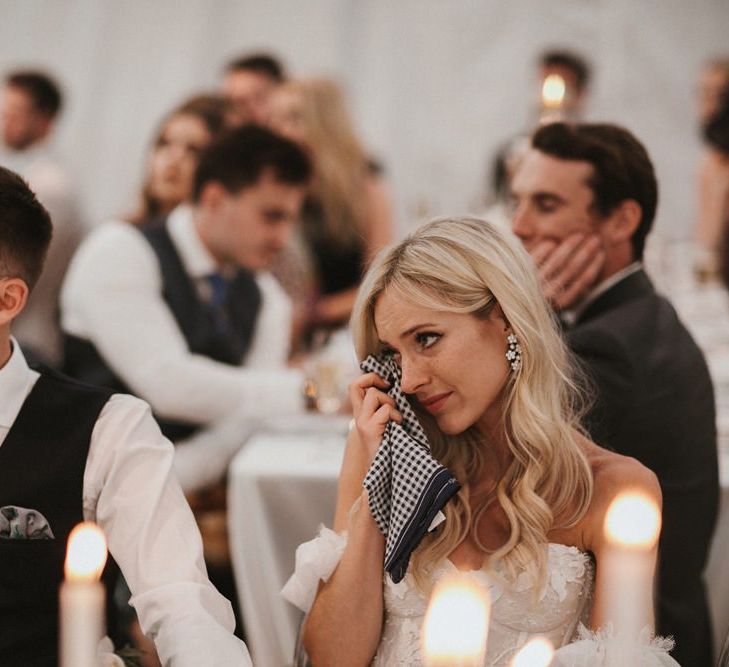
<point>552,199</point>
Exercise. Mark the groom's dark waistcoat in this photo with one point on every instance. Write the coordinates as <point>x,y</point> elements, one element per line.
<point>195,319</point>
<point>42,464</point>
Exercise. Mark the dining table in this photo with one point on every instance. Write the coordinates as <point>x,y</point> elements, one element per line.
<point>281,487</point>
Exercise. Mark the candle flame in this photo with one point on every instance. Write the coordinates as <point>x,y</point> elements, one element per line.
<point>633,520</point>
<point>86,553</point>
<point>536,653</point>
<point>457,621</point>
<point>553,91</point>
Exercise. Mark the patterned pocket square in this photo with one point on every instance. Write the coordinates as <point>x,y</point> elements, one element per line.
<point>21,523</point>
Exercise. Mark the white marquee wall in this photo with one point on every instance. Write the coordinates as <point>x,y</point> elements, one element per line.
<point>435,85</point>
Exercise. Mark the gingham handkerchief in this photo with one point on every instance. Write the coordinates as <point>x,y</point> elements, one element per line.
<point>407,487</point>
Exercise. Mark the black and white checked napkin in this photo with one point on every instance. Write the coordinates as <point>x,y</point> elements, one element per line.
<point>407,487</point>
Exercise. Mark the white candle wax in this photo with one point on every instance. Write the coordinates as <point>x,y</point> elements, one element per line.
<point>82,610</point>
<point>82,597</point>
<point>632,526</point>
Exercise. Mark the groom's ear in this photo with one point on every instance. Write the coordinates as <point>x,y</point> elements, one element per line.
<point>13,297</point>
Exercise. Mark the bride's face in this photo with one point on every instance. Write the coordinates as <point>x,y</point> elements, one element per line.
<point>454,364</point>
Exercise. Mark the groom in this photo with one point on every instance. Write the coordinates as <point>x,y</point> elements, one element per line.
<point>70,452</point>
<point>585,199</point>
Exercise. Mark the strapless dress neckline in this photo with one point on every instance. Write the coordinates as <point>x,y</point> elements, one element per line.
<point>518,612</point>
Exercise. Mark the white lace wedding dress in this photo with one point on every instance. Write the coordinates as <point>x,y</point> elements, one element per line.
<point>556,613</point>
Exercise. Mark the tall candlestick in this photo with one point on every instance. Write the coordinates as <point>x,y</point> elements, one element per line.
<point>457,623</point>
<point>82,597</point>
<point>537,652</point>
<point>632,526</point>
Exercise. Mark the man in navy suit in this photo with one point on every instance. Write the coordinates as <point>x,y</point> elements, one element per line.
<point>585,197</point>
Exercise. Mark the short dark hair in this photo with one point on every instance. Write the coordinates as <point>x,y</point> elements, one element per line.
<point>569,60</point>
<point>259,63</point>
<point>621,168</point>
<point>238,158</point>
<point>41,88</point>
<point>25,229</point>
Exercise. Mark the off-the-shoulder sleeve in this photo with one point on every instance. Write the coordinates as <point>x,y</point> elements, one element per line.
<point>602,648</point>
<point>316,561</point>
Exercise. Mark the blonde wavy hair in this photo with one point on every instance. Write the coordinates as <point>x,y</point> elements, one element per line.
<point>339,159</point>
<point>465,265</point>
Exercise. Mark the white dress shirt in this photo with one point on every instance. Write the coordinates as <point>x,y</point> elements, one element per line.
<point>571,316</point>
<point>129,490</point>
<point>112,297</point>
<point>38,325</point>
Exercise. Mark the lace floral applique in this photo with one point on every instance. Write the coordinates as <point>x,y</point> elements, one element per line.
<point>400,589</point>
<point>567,566</point>
<point>408,651</point>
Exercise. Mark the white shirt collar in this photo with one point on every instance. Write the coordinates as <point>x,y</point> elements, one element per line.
<point>16,381</point>
<point>195,257</point>
<point>571,316</point>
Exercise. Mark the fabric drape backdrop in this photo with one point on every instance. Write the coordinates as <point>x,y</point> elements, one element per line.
<point>434,86</point>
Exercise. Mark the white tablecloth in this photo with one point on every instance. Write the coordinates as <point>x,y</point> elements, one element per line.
<point>282,485</point>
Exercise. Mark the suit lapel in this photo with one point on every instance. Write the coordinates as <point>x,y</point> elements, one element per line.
<point>631,287</point>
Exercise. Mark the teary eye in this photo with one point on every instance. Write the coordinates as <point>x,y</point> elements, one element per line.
<point>426,339</point>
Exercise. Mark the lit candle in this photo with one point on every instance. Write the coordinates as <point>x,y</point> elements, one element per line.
<point>537,652</point>
<point>82,597</point>
<point>632,526</point>
<point>553,92</point>
<point>457,623</point>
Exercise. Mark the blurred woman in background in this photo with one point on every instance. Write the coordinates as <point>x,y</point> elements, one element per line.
<point>346,218</point>
<point>171,162</point>
<point>713,174</point>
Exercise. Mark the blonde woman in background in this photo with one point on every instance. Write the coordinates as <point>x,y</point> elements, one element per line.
<point>346,218</point>
<point>528,519</point>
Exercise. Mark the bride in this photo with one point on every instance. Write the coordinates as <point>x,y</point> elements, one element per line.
<point>528,519</point>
